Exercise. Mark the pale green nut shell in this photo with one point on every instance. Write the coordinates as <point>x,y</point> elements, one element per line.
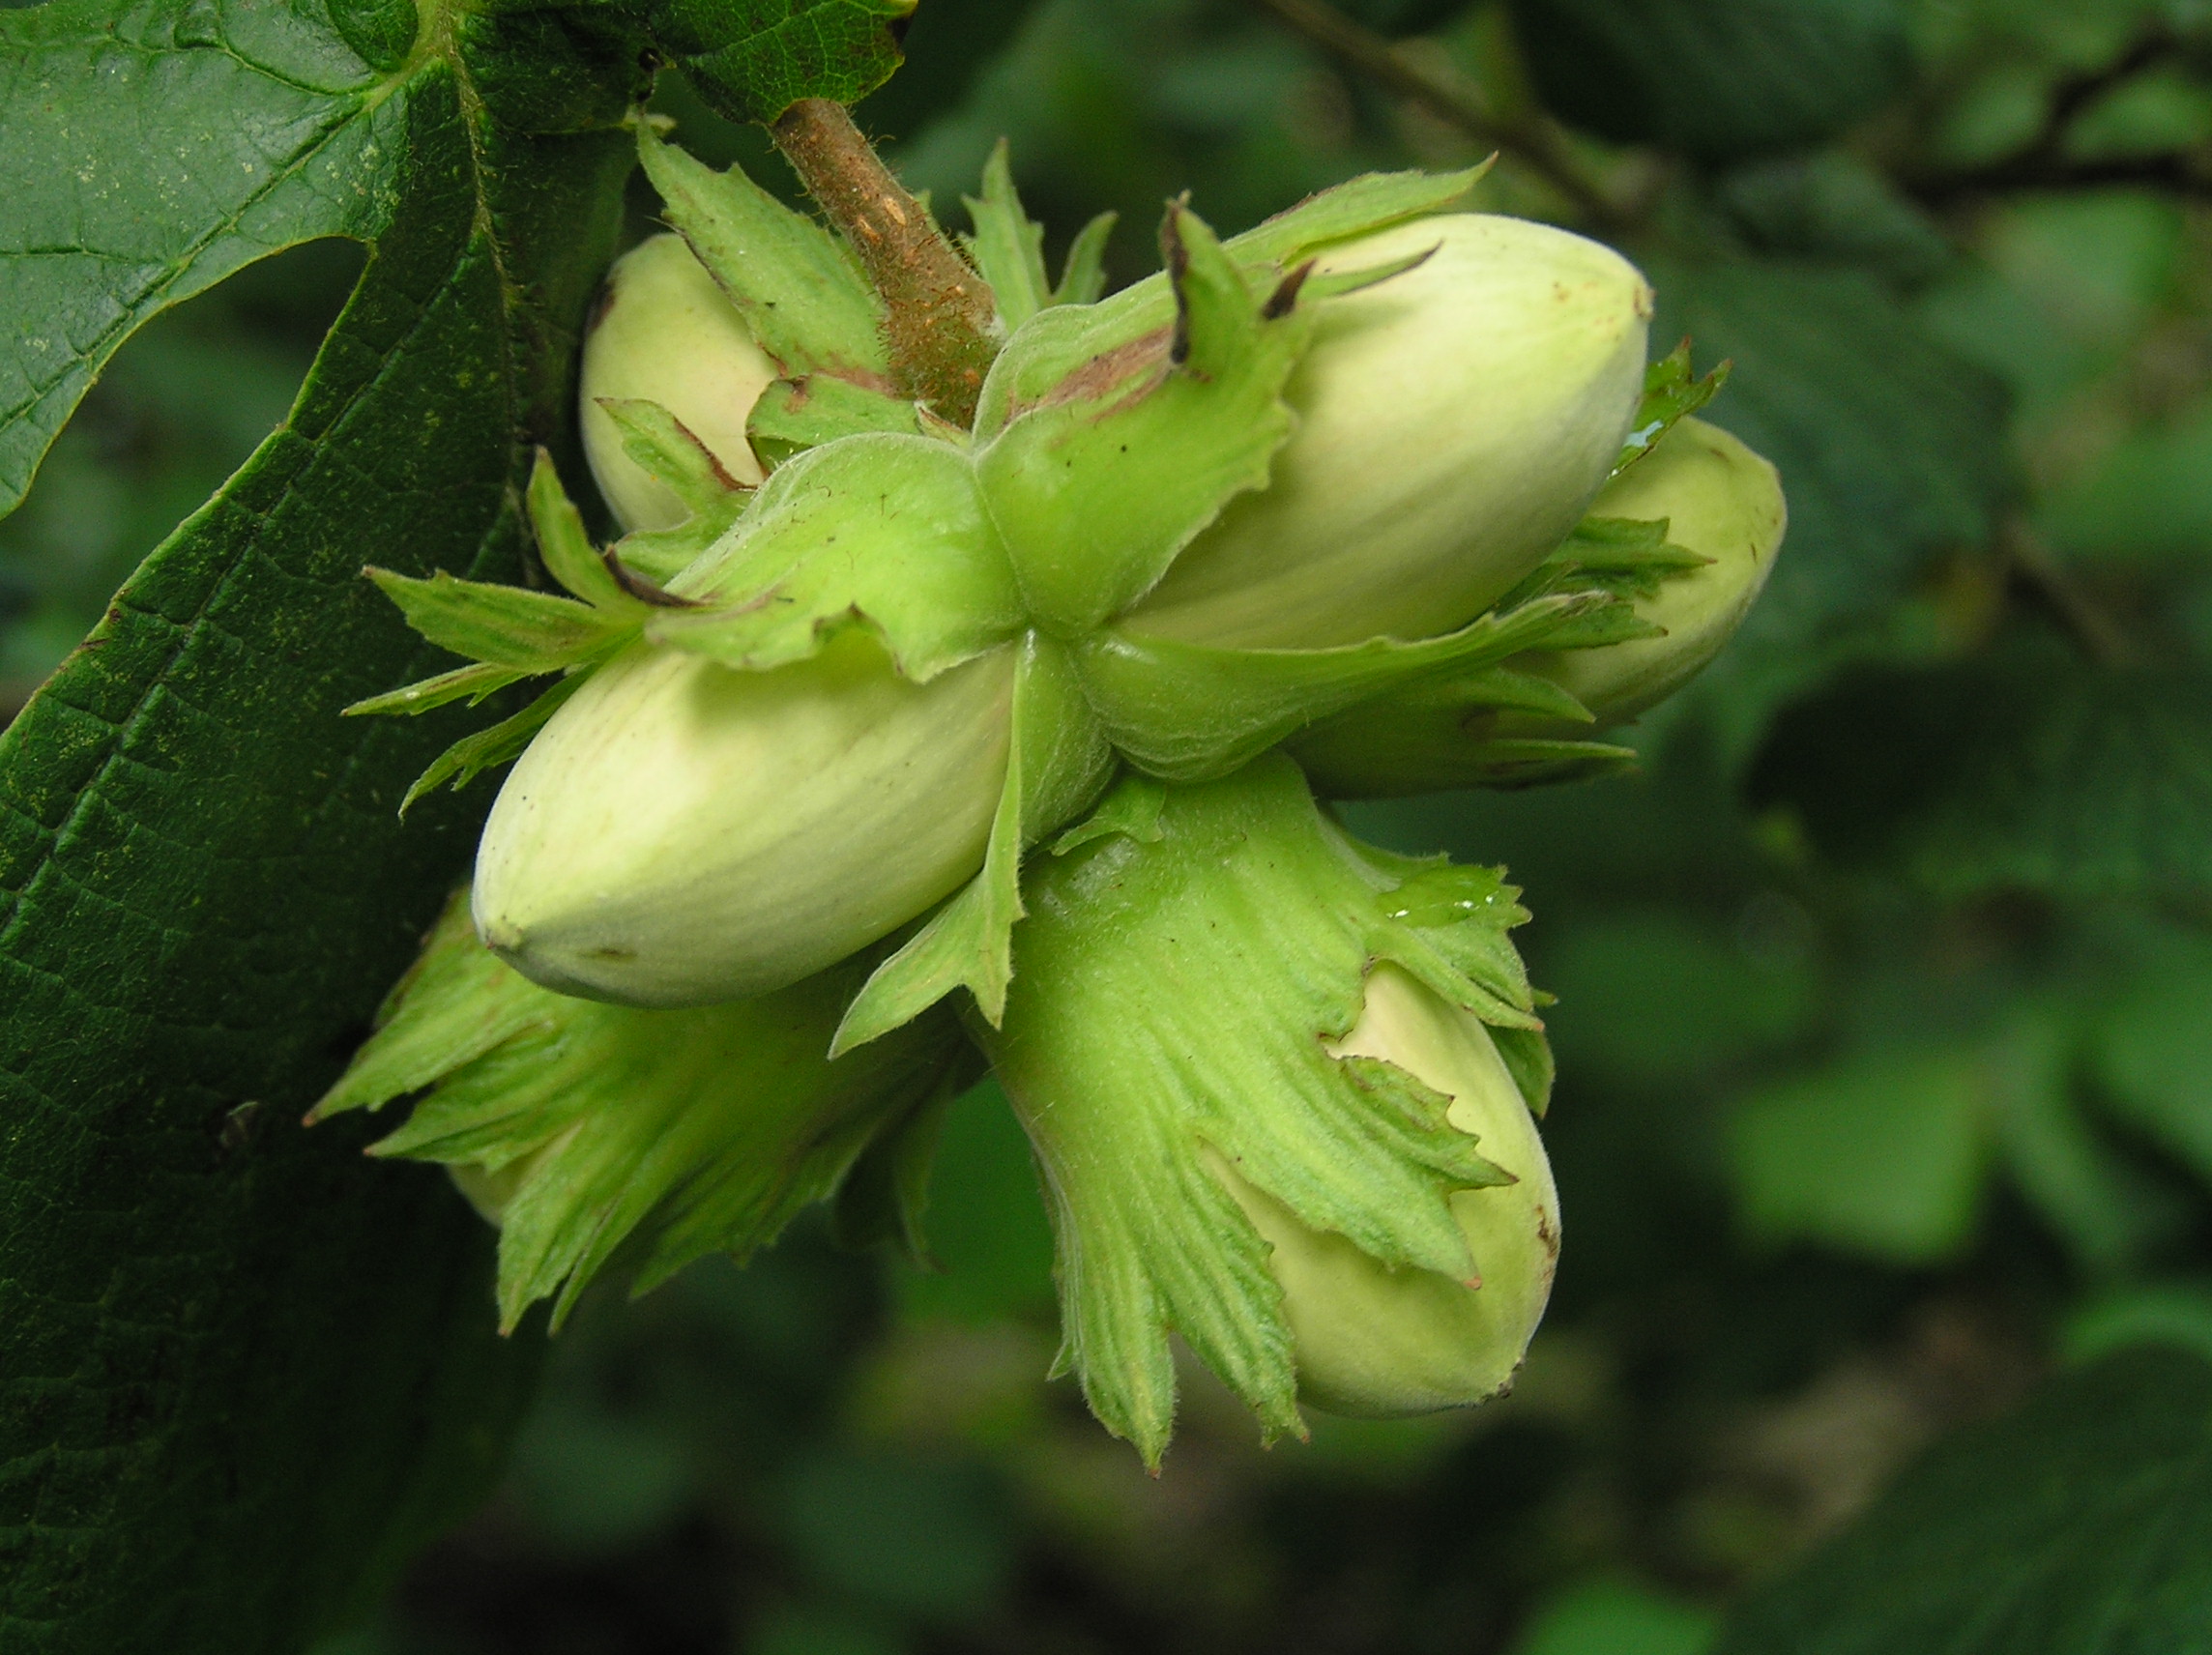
<point>1721,501</point>
<point>1376,1342</point>
<point>666,334</point>
<point>1453,424</point>
<point>681,833</point>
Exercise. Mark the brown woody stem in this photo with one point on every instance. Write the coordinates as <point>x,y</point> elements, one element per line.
<point>941,312</point>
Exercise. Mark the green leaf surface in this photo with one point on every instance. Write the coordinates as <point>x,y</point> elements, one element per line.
<point>564,547</point>
<point>1884,1156</point>
<point>241,1372</point>
<point>795,415</point>
<point>487,748</point>
<point>124,198</point>
<point>753,59</point>
<point>500,625</point>
<point>1670,389</point>
<point>1365,204</point>
<point>1007,244</point>
<point>1716,78</point>
<point>2151,1052</point>
<point>2025,771</point>
<point>2080,1525</point>
<point>471,684</point>
<point>1083,278</point>
<point>670,453</point>
<point>1887,1153</point>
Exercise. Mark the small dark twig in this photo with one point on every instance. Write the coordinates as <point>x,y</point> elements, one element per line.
<point>1534,143</point>
<point>2046,579</point>
<point>2038,170</point>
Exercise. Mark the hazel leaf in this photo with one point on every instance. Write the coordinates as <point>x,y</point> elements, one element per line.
<point>753,59</point>
<point>2080,1521</point>
<point>296,1384</point>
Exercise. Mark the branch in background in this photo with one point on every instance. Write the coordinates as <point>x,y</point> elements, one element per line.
<point>940,312</point>
<point>1534,143</point>
<point>2044,164</point>
<point>2183,174</point>
<point>2046,581</point>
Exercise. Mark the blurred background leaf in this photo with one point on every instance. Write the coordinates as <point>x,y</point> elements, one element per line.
<point>1716,79</point>
<point>2083,1522</point>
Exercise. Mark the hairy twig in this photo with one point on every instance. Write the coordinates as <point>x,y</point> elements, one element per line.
<point>1532,142</point>
<point>941,312</point>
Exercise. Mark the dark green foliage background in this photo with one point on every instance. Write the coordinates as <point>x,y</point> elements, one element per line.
<point>1883,1126</point>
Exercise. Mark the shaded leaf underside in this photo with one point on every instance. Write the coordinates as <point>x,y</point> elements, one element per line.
<point>241,1371</point>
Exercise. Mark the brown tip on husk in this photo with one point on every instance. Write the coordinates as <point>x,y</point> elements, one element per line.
<point>642,589</point>
<point>1284,299</point>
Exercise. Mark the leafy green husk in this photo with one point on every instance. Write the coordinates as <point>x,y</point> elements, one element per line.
<point>1066,339</point>
<point>803,297</point>
<point>1670,389</point>
<point>1184,964</point>
<point>1192,712</point>
<point>513,633</point>
<point>818,548</point>
<point>1099,485</point>
<point>1056,763</point>
<point>592,1133</point>
<point>661,443</point>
